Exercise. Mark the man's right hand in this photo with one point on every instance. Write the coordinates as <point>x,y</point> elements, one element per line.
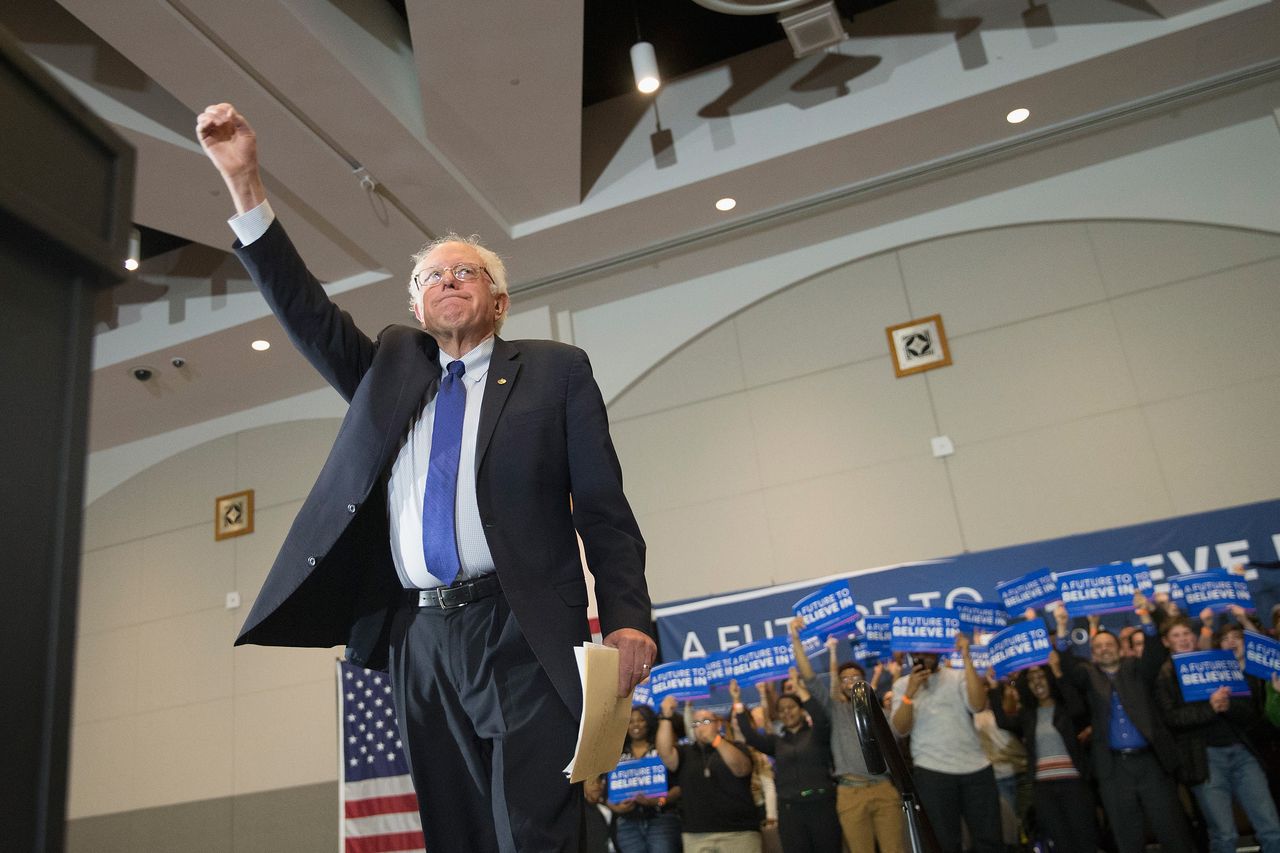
<point>918,678</point>
<point>231,145</point>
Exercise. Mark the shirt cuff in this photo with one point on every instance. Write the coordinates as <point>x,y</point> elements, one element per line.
<point>253,223</point>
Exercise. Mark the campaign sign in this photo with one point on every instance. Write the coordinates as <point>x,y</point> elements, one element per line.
<point>638,777</point>
<point>1201,673</point>
<point>1216,589</point>
<point>923,629</point>
<point>763,660</point>
<point>877,635</point>
<point>683,679</point>
<point>1102,589</point>
<point>980,616</point>
<point>829,608</point>
<point>717,668</point>
<point>1261,655</point>
<point>642,695</point>
<point>863,655</point>
<point>1019,646</point>
<point>978,654</point>
<point>1034,589</point>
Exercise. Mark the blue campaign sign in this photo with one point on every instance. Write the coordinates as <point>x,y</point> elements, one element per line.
<point>642,696</point>
<point>1215,589</point>
<point>980,617</point>
<point>717,668</point>
<point>1167,548</point>
<point>829,608</point>
<point>763,660</point>
<point>1034,590</point>
<point>864,655</point>
<point>877,634</point>
<point>1200,674</point>
<point>1102,589</point>
<point>1018,647</point>
<point>682,679</point>
<point>977,654</point>
<point>1261,655</point>
<point>923,629</point>
<point>638,777</point>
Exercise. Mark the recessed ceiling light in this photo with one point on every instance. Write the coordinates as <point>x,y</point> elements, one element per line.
<point>726,204</point>
<point>261,346</point>
<point>1018,116</point>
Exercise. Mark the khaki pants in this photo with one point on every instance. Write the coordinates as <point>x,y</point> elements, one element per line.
<point>869,816</point>
<point>721,842</point>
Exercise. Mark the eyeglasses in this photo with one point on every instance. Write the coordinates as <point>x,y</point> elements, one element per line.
<point>697,723</point>
<point>432,276</point>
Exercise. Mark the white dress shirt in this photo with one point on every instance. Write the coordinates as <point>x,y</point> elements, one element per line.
<point>409,471</point>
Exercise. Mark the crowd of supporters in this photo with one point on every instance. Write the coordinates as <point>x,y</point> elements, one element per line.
<point>1095,750</point>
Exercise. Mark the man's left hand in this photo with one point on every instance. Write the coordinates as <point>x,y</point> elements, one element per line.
<point>636,653</point>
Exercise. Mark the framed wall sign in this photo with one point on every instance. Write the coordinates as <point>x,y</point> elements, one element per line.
<point>233,515</point>
<point>918,345</point>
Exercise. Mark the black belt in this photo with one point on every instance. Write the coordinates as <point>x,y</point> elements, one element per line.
<point>1130,753</point>
<point>457,595</point>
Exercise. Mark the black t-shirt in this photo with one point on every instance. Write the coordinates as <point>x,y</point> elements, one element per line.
<point>712,799</point>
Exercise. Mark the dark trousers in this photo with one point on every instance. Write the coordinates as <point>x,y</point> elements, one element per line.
<point>1139,788</point>
<point>809,826</point>
<point>487,734</point>
<point>947,797</point>
<point>1066,815</point>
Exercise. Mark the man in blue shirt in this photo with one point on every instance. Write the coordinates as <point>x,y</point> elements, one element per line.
<point>1133,754</point>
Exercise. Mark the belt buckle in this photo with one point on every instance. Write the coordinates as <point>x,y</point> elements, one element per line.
<point>443,593</point>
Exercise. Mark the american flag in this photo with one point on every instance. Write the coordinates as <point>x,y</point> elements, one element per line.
<point>379,808</point>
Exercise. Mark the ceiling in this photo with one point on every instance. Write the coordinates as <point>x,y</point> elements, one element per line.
<point>518,122</point>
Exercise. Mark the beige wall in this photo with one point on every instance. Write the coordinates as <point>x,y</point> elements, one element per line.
<point>1105,373</point>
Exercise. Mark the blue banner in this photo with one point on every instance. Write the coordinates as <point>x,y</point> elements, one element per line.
<point>1216,589</point>
<point>1019,646</point>
<point>977,654</point>
<point>864,655</point>
<point>830,608</point>
<point>980,617</point>
<point>1167,548</point>
<point>923,629</point>
<point>1261,655</point>
<point>638,777</point>
<point>1200,674</point>
<point>878,635</point>
<point>1102,589</point>
<point>686,679</point>
<point>1034,590</point>
<point>763,660</point>
<point>642,696</point>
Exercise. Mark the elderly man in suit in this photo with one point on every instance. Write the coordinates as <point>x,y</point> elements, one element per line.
<point>439,540</point>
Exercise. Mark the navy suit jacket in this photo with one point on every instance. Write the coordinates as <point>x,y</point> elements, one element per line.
<point>545,468</point>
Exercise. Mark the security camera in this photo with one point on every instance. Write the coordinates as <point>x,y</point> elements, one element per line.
<point>142,374</point>
<point>178,362</point>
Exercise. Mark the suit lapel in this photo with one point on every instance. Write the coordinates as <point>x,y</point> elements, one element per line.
<point>504,367</point>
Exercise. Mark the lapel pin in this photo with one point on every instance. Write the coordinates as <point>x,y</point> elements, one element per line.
<point>502,381</point>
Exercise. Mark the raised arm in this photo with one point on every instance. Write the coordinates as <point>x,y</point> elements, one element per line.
<point>323,333</point>
<point>665,741</point>
<point>797,648</point>
<point>975,688</point>
<point>766,743</point>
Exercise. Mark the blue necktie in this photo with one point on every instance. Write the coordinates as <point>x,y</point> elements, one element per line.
<point>439,537</point>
